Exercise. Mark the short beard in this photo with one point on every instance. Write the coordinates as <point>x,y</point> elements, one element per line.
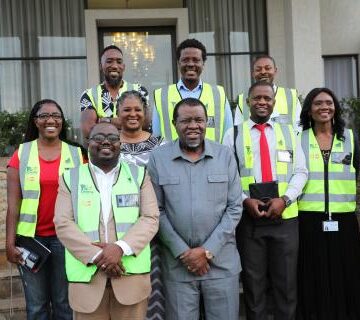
<point>192,148</point>
<point>113,82</point>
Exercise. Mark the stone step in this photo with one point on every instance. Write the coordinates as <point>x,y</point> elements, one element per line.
<point>10,278</point>
<point>18,307</point>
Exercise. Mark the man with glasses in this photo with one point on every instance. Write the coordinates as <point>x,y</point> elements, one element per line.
<point>105,215</point>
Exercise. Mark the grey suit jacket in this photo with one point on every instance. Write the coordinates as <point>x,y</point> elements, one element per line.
<point>128,290</point>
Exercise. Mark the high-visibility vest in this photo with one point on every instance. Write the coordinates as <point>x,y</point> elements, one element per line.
<point>213,97</point>
<point>95,97</point>
<point>285,141</point>
<point>29,173</point>
<point>86,203</point>
<point>285,105</point>
<point>341,175</point>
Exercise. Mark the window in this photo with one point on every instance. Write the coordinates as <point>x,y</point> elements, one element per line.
<point>42,54</point>
<point>233,32</point>
<point>149,54</point>
<point>341,75</point>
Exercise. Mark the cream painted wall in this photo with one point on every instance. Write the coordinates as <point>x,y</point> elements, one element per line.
<point>295,42</point>
<point>276,40</point>
<point>340,26</point>
<point>134,4</point>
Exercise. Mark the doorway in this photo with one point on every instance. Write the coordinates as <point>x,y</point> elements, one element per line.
<point>149,54</point>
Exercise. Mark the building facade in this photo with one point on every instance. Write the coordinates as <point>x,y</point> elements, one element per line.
<point>50,49</point>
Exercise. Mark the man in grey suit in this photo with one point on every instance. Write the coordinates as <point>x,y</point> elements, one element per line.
<point>199,197</point>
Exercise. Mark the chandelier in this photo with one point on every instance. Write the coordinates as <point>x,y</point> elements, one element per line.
<point>136,46</point>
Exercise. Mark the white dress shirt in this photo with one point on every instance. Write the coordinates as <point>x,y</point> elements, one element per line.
<point>105,182</point>
<point>299,177</point>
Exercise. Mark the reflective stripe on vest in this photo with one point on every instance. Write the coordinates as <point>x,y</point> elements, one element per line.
<point>285,105</point>
<point>341,177</point>
<point>213,97</point>
<point>285,140</point>
<point>95,97</point>
<point>87,206</point>
<point>29,173</point>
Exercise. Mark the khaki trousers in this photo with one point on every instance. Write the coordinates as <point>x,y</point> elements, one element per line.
<point>111,309</point>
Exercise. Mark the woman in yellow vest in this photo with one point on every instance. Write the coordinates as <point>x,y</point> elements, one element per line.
<point>32,183</point>
<point>329,246</point>
<point>136,145</point>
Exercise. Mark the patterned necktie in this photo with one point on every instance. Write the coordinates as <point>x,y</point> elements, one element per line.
<point>264,154</point>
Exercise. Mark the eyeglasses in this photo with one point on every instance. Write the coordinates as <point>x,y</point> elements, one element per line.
<point>100,138</point>
<point>46,116</point>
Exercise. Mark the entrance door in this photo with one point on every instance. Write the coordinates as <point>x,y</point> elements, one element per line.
<point>149,54</point>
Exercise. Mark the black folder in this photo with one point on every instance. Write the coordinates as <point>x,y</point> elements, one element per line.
<point>264,191</point>
<point>33,252</point>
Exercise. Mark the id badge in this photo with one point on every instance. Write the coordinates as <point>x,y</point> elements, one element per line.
<point>330,226</point>
<point>127,200</point>
<point>285,155</point>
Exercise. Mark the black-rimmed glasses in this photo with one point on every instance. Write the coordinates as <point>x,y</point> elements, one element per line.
<point>46,116</point>
<point>100,138</point>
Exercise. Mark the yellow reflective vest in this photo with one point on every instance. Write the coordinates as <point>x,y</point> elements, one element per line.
<point>95,97</point>
<point>332,190</point>
<point>86,203</point>
<point>285,141</point>
<point>213,97</point>
<point>285,105</point>
<point>29,173</point>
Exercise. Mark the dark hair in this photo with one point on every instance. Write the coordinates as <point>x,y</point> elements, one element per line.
<point>109,48</point>
<point>132,93</point>
<point>263,56</point>
<point>307,122</point>
<point>191,43</point>
<point>32,131</point>
<point>261,83</point>
<point>189,102</point>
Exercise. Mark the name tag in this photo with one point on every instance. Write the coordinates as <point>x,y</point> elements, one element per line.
<point>285,156</point>
<point>341,157</point>
<point>330,226</point>
<point>210,122</point>
<point>127,200</point>
<point>281,118</point>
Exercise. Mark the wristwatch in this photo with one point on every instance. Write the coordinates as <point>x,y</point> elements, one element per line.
<point>208,255</point>
<point>287,201</point>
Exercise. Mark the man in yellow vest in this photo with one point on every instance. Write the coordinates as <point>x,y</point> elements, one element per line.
<point>191,57</point>
<point>267,234</point>
<point>100,101</point>
<point>287,107</point>
<point>105,215</point>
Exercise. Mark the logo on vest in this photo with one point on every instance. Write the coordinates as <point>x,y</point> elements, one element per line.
<point>68,161</point>
<point>86,203</point>
<point>85,188</point>
<point>32,170</point>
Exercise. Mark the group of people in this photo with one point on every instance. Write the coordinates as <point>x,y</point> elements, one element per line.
<point>165,207</point>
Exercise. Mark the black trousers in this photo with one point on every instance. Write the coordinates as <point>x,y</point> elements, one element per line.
<point>269,258</point>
